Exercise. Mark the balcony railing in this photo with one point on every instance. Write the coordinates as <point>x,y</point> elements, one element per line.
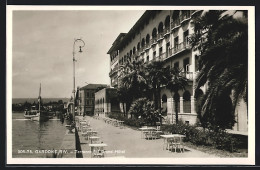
<point>113,71</point>
<point>166,31</point>
<point>185,16</point>
<point>147,46</point>
<point>114,83</point>
<point>153,41</point>
<point>175,24</point>
<point>188,75</point>
<point>180,47</point>
<point>160,36</point>
<point>194,12</point>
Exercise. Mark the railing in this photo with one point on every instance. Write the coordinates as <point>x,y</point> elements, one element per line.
<point>153,41</point>
<point>142,49</point>
<point>114,83</point>
<point>113,71</point>
<point>147,46</point>
<point>166,31</point>
<point>188,75</point>
<point>176,23</point>
<point>160,36</point>
<point>194,12</point>
<point>185,16</point>
<point>180,47</point>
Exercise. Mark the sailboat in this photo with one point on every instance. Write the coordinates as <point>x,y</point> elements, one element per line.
<point>41,114</point>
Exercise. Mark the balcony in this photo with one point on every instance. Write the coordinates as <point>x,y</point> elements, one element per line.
<point>113,71</point>
<point>179,48</point>
<point>160,36</point>
<point>142,50</point>
<point>175,24</point>
<point>153,41</point>
<point>193,12</point>
<point>166,31</point>
<point>147,46</point>
<point>185,17</point>
<point>189,75</point>
<point>114,83</point>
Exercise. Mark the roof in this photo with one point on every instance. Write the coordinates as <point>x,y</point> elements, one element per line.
<point>93,86</point>
<point>116,42</point>
<point>137,26</point>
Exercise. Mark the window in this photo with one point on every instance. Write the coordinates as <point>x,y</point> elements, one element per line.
<point>186,63</point>
<point>147,58</point>
<point>176,42</point>
<point>154,54</point>
<point>176,65</point>
<point>168,49</point>
<point>186,37</point>
<point>160,51</point>
<point>87,101</point>
<point>87,94</point>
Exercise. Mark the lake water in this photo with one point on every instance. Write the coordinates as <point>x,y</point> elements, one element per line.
<point>32,139</point>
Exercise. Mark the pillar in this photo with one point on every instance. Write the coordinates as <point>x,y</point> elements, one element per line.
<point>181,104</point>
<point>193,104</point>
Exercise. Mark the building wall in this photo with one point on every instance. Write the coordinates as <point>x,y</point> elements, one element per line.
<point>104,103</point>
<point>187,109</point>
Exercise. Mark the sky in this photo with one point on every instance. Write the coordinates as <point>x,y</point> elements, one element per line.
<point>42,49</point>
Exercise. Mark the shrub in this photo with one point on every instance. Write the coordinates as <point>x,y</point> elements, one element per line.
<point>144,111</point>
<point>218,138</point>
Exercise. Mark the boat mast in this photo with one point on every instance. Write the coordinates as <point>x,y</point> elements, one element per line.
<point>39,99</point>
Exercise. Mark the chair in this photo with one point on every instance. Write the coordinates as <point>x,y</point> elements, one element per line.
<point>147,134</point>
<point>175,143</point>
<point>98,152</point>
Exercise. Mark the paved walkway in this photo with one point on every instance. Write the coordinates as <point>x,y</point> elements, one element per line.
<point>127,143</point>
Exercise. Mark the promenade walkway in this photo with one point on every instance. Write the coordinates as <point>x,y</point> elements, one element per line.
<point>127,142</point>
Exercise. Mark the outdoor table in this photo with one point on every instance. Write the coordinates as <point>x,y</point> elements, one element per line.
<point>93,138</point>
<point>171,136</point>
<point>97,149</point>
<point>120,123</point>
<point>85,128</point>
<point>146,129</point>
<point>89,133</point>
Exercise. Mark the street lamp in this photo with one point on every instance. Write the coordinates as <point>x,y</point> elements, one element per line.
<point>80,50</point>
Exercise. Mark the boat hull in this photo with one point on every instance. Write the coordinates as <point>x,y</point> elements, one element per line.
<point>43,116</point>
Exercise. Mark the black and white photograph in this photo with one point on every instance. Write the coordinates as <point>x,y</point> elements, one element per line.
<point>130,85</point>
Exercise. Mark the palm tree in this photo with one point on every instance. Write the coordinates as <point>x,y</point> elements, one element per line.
<point>222,39</point>
<point>133,79</point>
<point>156,76</point>
<point>177,82</point>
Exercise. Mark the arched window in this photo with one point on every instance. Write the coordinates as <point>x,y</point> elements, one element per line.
<point>186,102</point>
<point>167,22</point>
<point>160,28</point>
<point>134,50</point>
<point>131,52</point>
<point>175,18</point>
<point>138,46</point>
<point>147,39</point>
<point>164,105</point>
<point>143,42</point>
<point>154,33</point>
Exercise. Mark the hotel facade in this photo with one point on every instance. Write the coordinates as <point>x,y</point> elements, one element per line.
<point>164,35</point>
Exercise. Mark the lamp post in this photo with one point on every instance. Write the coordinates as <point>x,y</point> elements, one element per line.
<point>74,91</point>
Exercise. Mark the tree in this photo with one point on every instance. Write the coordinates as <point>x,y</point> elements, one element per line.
<point>122,94</point>
<point>133,79</point>
<point>222,40</point>
<point>177,82</point>
<point>156,76</point>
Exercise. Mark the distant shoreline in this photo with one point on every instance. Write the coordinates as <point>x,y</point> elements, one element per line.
<point>31,100</point>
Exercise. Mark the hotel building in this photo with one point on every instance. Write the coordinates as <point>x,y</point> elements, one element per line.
<point>164,35</point>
